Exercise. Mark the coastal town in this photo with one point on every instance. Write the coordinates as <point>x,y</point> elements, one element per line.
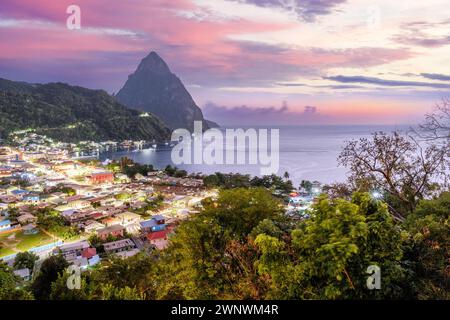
<point>52,202</point>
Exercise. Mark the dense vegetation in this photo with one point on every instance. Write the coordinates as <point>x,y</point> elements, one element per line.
<point>237,180</point>
<point>242,246</point>
<point>71,113</point>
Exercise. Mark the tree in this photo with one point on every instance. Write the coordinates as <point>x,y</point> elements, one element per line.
<point>207,257</point>
<point>286,175</point>
<point>60,290</point>
<point>169,170</point>
<point>180,174</point>
<point>211,180</point>
<point>436,127</point>
<point>111,293</point>
<point>267,227</point>
<point>113,277</point>
<point>25,260</point>
<point>240,210</point>
<point>10,285</point>
<point>50,270</point>
<point>428,248</point>
<point>125,162</point>
<point>338,190</point>
<point>306,185</point>
<point>330,252</point>
<point>396,165</point>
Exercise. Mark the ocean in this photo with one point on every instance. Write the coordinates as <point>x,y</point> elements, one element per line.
<point>306,152</point>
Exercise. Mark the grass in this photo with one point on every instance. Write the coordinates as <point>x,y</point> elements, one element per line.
<point>6,252</point>
<point>18,241</point>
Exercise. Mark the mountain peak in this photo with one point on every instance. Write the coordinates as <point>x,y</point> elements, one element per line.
<point>154,88</point>
<point>153,63</point>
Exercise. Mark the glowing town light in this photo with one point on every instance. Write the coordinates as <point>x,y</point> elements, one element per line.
<point>376,194</point>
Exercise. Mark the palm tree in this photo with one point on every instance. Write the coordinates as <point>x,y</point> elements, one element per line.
<point>286,175</point>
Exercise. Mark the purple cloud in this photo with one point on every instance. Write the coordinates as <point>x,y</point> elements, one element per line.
<point>306,9</point>
<point>436,76</point>
<point>415,35</point>
<point>387,83</point>
<point>246,115</point>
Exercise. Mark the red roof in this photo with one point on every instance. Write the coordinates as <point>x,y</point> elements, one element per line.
<point>97,215</point>
<point>89,253</point>
<point>157,235</point>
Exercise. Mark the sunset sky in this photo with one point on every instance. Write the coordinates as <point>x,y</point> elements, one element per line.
<point>247,61</point>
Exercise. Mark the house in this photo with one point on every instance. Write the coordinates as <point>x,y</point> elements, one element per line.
<point>75,202</point>
<point>123,178</point>
<point>101,177</point>
<point>26,218</point>
<point>88,253</point>
<point>81,262</point>
<point>3,207</point>
<point>5,171</point>
<point>139,177</point>
<point>79,254</point>
<point>158,239</point>
<point>25,274</point>
<point>8,199</point>
<point>128,253</point>
<point>30,228</point>
<point>72,250</point>
<point>115,231</point>
<point>118,246</point>
<point>151,225</point>
<point>160,219</point>
<point>81,189</point>
<point>188,182</point>
<point>5,225</point>
<point>92,226</point>
<point>19,194</point>
<point>127,217</point>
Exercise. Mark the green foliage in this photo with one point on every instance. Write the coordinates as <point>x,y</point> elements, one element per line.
<point>64,189</point>
<point>195,265</point>
<point>331,251</point>
<point>180,174</point>
<point>118,278</point>
<point>111,293</point>
<point>267,227</point>
<point>175,172</point>
<point>240,210</point>
<point>60,290</point>
<point>52,221</point>
<point>306,185</point>
<point>25,260</point>
<point>123,196</point>
<point>50,270</point>
<point>237,180</point>
<point>10,285</point>
<point>429,250</point>
<point>135,168</point>
<point>242,246</point>
<point>70,113</point>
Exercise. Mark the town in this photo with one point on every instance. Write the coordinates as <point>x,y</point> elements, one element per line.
<point>53,202</point>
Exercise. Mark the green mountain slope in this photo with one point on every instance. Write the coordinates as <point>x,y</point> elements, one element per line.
<point>71,113</point>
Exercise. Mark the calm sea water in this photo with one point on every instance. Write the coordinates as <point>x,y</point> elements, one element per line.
<point>306,152</point>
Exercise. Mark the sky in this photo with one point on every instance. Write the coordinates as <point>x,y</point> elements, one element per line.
<point>247,61</point>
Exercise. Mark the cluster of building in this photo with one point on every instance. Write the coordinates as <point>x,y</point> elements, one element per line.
<point>301,201</point>
<point>127,215</point>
